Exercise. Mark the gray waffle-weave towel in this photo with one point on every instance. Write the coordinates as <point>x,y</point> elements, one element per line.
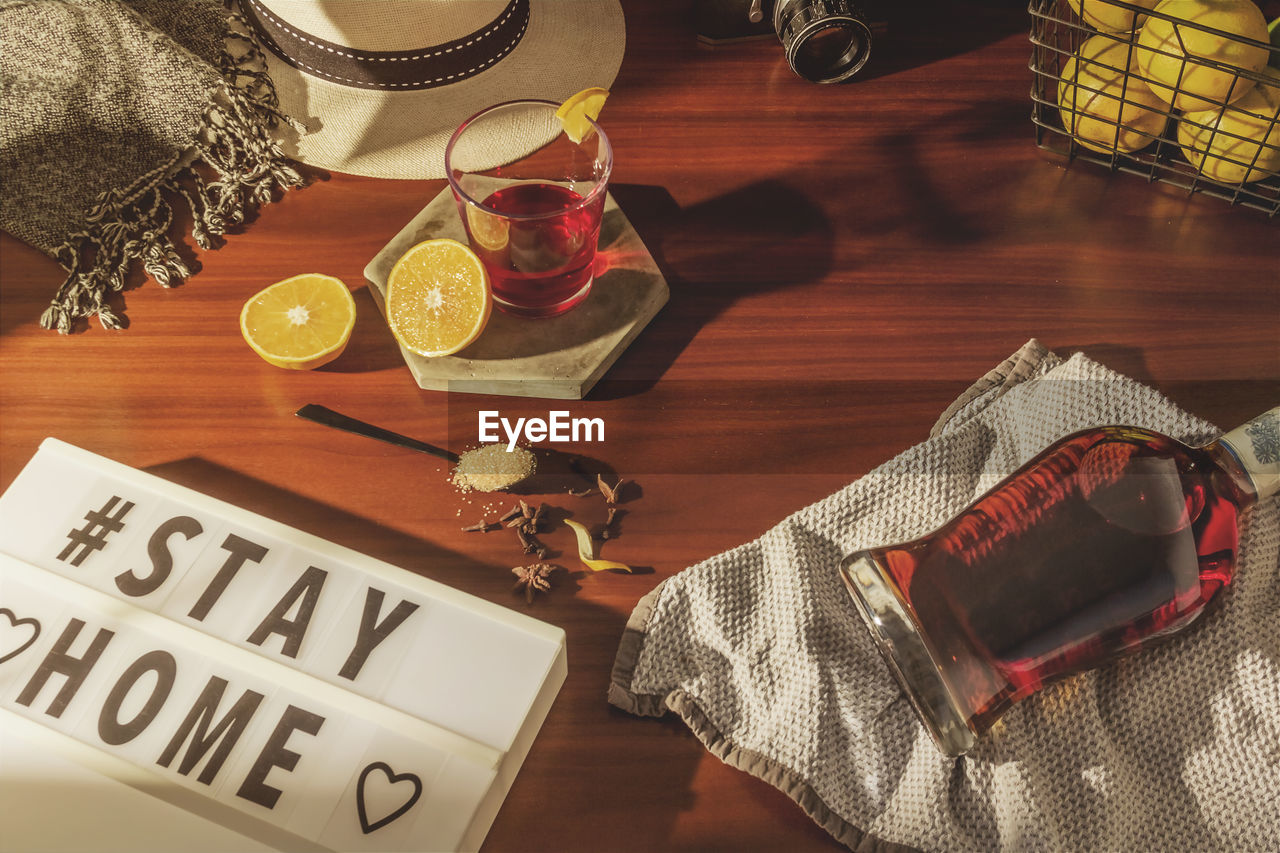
<point>761,653</point>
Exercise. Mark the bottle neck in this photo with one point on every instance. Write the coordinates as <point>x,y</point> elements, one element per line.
<point>1255,448</point>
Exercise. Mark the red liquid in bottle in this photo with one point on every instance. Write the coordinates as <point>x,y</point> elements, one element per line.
<point>1106,541</point>
<point>540,261</point>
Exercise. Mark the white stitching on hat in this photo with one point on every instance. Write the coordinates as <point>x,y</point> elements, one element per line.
<point>366,84</point>
<point>367,55</point>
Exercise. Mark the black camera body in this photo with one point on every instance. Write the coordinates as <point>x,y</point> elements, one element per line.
<point>826,41</point>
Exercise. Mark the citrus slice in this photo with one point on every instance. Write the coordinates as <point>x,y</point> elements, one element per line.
<point>299,323</point>
<point>488,229</point>
<point>577,113</point>
<point>438,298</point>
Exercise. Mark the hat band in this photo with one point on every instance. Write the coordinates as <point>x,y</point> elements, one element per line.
<point>394,70</point>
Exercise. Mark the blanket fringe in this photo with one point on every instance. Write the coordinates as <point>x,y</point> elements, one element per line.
<point>233,142</point>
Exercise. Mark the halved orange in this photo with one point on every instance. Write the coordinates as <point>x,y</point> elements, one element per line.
<point>299,323</point>
<point>438,298</point>
<point>577,109</point>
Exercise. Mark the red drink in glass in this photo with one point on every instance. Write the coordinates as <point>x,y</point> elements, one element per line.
<point>531,199</point>
<point>541,253</point>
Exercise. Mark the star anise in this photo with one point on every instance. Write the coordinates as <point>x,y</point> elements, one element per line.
<point>533,579</point>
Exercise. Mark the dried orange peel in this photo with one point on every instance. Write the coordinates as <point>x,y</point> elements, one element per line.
<point>578,111</point>
<point>587,550</point>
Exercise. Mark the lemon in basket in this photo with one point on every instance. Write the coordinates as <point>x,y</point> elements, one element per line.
<point>1239,143</point>
<point>1103,104</point>
<point>1108,17</point>
<point>1195,62</point>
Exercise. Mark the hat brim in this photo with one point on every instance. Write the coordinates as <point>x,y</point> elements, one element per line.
<point>569,46</point>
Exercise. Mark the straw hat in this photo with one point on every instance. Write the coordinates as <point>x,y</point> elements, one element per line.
<point>380,85</point>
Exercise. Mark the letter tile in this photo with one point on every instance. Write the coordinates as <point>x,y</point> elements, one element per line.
<point>30,622</point>
<point>134,714</point>
<point>95,531</point>
<point>221,594</point>
<point>362,647</point>
<point>296,609</point>
<point>460,792</point>
<point>344,747</point>
<point>452,645</point>
<point>396,780</point>
<point>55,489</point>
<point>74,673</point>
<point>286,744</point>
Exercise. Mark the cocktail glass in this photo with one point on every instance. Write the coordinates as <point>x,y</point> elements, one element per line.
<point>533,220</point>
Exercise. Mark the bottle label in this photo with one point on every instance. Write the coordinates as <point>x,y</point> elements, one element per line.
<point>1257,445</point>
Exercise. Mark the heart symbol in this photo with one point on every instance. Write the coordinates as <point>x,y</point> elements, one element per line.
<point>16,644</point>
<point>385,792</point>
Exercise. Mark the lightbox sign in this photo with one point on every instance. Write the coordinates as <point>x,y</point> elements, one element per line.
<point>293,690</point>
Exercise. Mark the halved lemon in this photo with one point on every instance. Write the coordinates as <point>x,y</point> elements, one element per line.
<point>577,113</point>
<point>438,298</point>
<point>299,323</point>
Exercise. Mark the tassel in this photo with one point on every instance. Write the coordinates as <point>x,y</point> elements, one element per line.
<point>132,225</point>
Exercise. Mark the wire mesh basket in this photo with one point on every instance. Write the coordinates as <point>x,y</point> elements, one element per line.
<point>1172,100</point>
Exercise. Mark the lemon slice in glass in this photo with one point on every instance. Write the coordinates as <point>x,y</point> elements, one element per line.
<point>438,298</point>
<point>299,323</point>
<point>577,113</point>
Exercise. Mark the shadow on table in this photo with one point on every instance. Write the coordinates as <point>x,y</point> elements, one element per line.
<point>320,519</point>
<point>762,237</point>
<point>927,31</point>
<point>821,219</point>
<point>587,752</point>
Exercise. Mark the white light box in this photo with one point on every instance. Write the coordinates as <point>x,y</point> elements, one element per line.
<point>254,676</point>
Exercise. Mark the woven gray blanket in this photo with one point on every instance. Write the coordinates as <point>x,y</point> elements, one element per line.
<point>111,111</point>
<point>761,653</point>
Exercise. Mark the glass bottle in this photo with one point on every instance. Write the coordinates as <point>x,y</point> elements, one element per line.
<point>1107,540</point>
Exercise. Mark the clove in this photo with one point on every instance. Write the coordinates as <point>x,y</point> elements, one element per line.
<point>483,526</point>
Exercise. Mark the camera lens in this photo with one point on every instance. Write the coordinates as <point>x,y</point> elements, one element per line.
<point>825,41</point>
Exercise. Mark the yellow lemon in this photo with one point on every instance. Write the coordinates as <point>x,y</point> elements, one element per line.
<point>577,113</point>
<point>1193,68</point>
<point>1238,143</point>
<point>438,298</point>
<point>1108,17</point>
<point>488,230</point>
<point>300,323</point>
<point>1106,107</point>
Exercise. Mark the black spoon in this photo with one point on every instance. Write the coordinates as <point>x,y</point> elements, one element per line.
<point>337,420</point>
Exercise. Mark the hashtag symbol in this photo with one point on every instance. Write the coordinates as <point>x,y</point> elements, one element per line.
<point>99,525</point>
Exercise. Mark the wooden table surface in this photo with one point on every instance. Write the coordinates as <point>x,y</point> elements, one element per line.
<point>843,261</point>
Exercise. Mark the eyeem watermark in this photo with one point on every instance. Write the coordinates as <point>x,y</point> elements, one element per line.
<point>558,427</point>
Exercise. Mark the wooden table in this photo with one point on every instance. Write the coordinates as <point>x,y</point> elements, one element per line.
<point>843,261</point>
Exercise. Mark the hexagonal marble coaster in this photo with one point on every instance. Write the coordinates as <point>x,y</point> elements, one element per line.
<point>554,357</point>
